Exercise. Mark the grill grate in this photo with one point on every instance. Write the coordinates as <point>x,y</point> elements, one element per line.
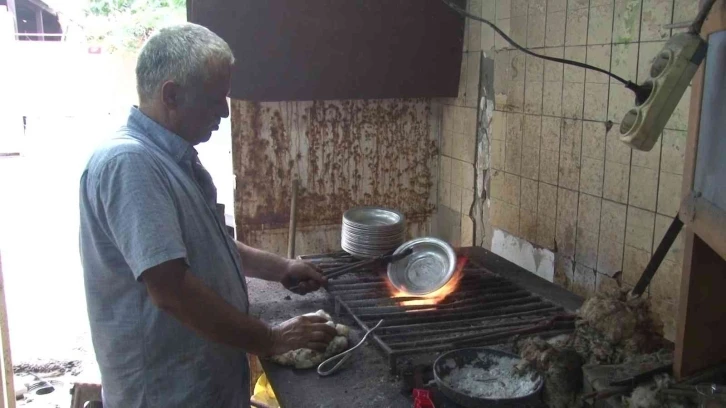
<point>485,309</point>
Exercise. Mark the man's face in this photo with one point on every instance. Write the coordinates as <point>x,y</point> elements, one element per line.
<point>200,113</point>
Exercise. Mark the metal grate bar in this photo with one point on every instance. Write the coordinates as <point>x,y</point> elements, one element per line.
<point>485,309</point>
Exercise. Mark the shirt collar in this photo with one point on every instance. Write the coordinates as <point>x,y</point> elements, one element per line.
<point>163,138</point>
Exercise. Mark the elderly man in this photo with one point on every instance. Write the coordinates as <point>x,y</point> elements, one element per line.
<point>165,284</point>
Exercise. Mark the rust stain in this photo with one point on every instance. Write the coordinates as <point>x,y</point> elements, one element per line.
<point>345,153</point>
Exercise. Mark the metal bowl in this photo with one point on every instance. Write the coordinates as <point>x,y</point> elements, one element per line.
<point>374,218</point>
<point>372,231</point>
<point>426,270</point>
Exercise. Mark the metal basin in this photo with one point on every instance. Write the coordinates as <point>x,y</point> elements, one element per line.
<point>374,218</point>
<point>426,270</point>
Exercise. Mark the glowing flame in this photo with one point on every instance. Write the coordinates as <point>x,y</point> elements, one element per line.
<point>435,297</point>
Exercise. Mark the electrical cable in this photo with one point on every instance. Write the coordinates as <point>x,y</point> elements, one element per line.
<point>640,92</point>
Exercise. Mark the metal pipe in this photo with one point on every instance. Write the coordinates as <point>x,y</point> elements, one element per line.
<point>441,313</point>
<point>461,305</point>
<point>454,323</point>
<point>483,340</point>
<point>449,339</point>
<point>460,329</point>
<point>665,244</point>
<point>484,313</point>
<point>293,221</point>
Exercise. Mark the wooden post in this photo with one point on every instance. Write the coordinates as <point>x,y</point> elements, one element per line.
<point>293,221</point>
<point>701,324</point>
<point>7,389</point>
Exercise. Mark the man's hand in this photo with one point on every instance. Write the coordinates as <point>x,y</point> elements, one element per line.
<point>303,276</point>
<point>301,332</point>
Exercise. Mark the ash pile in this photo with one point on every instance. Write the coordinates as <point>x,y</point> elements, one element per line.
<point>615,333</point>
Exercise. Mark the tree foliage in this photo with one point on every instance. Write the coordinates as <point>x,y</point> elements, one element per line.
<point>124,25</point>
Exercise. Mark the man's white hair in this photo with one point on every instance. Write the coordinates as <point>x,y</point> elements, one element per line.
<point>184,53</point>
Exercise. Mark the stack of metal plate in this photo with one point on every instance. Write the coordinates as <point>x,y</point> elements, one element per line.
<point>372,231</point>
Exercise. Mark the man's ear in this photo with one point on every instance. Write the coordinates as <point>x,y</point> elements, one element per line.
<point>171,95</point>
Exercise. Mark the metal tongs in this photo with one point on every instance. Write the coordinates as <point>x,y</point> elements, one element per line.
<point>380,260</point>
<point>344,356</point>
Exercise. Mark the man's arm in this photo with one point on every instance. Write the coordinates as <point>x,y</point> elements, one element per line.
<point>262,265</point>
<point>131,193</point>
<point>291,273</point>
<point>176,291</point>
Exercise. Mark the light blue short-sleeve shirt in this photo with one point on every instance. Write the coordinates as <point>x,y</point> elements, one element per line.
<point>146,199</point>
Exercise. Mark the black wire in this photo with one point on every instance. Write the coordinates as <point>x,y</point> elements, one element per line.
<point>628,84</point>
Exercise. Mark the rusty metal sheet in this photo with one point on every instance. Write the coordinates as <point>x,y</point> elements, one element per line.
<point>345,153</point>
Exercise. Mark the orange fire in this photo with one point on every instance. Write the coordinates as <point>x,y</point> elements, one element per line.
<point>435,297</point>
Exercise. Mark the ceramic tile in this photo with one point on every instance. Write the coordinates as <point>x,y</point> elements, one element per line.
<point>643,188</point>
<point>612,221</point>
<point>546,227</point>
<point>679,119</point>
<point>573,100</point>
<point>593,140</point>
<point>534,69</point>
<point>555,29</point>
<point>497,154</point>
<point>669,194</point>
<point>533,98</point>
<point>649,159</point>
<point>624,60</point>
<point>528,225</point>
<point>530,162</point>
<point>634,262</point>
<point>621,100</point>
<point>600,25</point>
<point>626,21</point>
<point>616,151</point>
<point>609,256</point>
<point>586,248</point>
<point>504,8</point>
<point>528,195</point>
<point>551,133</point>
<point>511,189</point>
<point>639,228</point>
<point>552,99</point>
<point>588,213</point>
<point>518,29</point>
<point>547,200</point>
<point>504,24</point>
<point>656,13</point>
<point>617,177</point>
<point>598,56</point>
<point>445,169</point>
<point>536,31</point>
<point>673,151</point>
<point>576,29</point>
<point>591,176</point>
<point>519,8</point>
<point>549,166</point>
<point>573,73</point>
<point>532,130</point>
<point>553,70</point>
<point>596,102</point>
<point>556,5</point>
